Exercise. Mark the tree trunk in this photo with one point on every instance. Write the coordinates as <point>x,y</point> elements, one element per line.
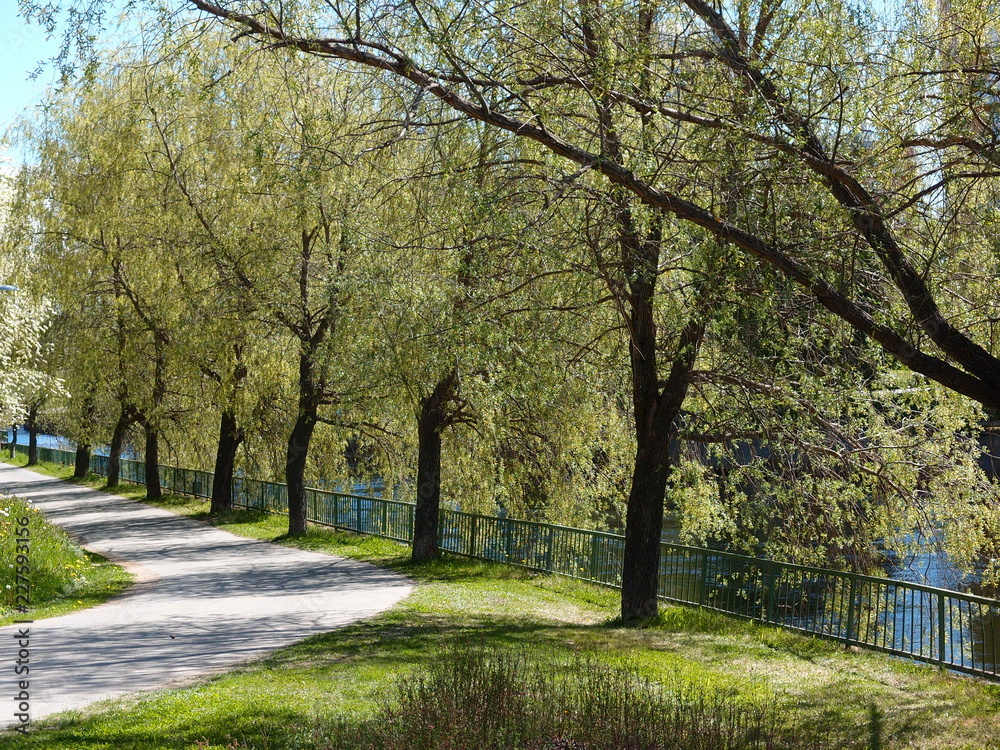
<point>656,412</point>
<point>152,461</point>
<point>115,452</point>
<point>151,426</point>
<point>643,526</point>
<point>425,516</point>
<point>81,465</point>
<point>230,437</point>
<point>644,512</point>
<point>32,436</point>
<point>656,406</point>
<point>13,440</point>
<point>437,411</point>
<point>298,445</point>
<point>295,471</point>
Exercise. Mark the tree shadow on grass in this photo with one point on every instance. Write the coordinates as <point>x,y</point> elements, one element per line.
<point>235,516</point>
<point>397,644</point>
<point>237,725</point>
<point>172,501</point>
<point>862,709</point>
<point>452,568</point>
<point>842,716</point>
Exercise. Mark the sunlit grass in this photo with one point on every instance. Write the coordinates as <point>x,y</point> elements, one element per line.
<point>59,575</point>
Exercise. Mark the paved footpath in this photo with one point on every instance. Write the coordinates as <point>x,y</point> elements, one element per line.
<point>205,601</point>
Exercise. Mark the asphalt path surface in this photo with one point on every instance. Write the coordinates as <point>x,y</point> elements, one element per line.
<point>205,601</point>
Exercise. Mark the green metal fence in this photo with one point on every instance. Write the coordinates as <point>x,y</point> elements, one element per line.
<point>957,630</point>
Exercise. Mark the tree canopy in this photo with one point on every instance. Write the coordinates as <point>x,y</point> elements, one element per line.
<point>589,261</point>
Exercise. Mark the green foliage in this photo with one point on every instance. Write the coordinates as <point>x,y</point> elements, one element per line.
<point>824,467</point>
<point>694,492</point>
<point>175,184</point>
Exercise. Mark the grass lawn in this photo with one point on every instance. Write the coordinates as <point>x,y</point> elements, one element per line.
<point>826,692</point>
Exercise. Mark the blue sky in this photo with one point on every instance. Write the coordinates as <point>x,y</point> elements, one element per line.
<point>22,48</point>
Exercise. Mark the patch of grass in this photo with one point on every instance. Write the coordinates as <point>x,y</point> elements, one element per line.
<point>43,467</point>
<point>289,699</point>
<point>104,581</point>
<point>493,699</point>
<point>61,576</point>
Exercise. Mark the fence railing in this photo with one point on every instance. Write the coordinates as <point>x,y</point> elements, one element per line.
<point>954,629</point>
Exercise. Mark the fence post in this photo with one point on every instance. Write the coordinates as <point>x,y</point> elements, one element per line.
<point>703,598</point>
<point>851,608</point>
<point>548,550</point>
<point>442,526</point>
<point>770,584</point>
<point>473,534</point>
<point>593,556</point>
<point>941,627</point>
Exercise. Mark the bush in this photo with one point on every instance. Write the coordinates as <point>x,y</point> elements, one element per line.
<point>56,564</point>
<point>474,699</point>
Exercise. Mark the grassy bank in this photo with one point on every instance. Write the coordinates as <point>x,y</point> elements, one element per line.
<point>825,695</point>
<point>49,571</point>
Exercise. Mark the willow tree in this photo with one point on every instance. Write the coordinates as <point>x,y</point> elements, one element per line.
<point>461,217</point>
<point>228,342</point>
<point>284,218</point>
<point>102,213</point>
<point>87,407</point>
